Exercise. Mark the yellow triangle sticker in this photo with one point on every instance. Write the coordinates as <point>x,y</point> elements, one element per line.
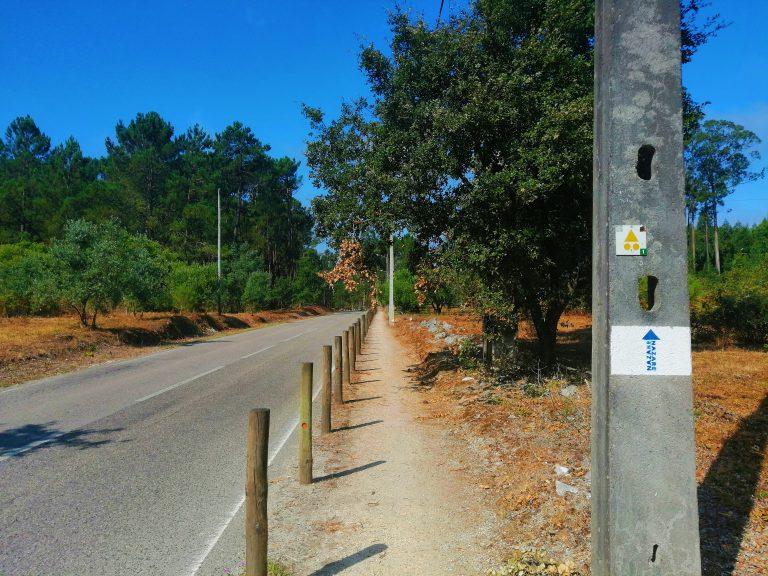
<point>631,237</point>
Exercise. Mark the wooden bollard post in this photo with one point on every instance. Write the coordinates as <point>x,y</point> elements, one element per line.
<point>345,360</point>
<point>365,326</point>
<point>358,338</point>
<point>256,484</point>
<point>352,349</point>
<point>325,372</point>
<point>338,393</point>
<point>305,424</point>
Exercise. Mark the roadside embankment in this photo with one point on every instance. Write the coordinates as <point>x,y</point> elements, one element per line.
<point>35,347</point>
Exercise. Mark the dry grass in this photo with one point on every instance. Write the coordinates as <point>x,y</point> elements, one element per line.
<point>520,439</point>
<point>34,347</point>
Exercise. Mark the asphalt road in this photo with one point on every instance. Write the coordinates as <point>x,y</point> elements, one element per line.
<point>136,467</point>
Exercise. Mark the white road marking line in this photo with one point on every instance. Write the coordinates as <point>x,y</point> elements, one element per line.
<point>21,449</point>
<point>210,544</point>
<point>257,352</point>
<point>187,381</point>
<point>299,334</point>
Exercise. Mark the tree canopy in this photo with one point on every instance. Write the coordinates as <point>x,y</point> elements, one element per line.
<point>478,141</point>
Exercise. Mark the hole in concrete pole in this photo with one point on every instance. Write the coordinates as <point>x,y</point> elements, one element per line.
<point>653,554</point>
<point>646,291</point>
<point>644,161</point>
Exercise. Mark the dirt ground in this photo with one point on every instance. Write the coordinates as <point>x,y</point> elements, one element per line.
<point>393,493</point>
<point>520,431</point>
<point>35,347</point>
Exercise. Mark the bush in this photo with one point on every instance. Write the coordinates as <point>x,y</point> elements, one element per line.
<point>308,287</point>
<point>194,287</point>
<point>281,294</point>
<point>257,292</point>
<point>26,280</point>
<point>733,306</point>
<point>97,266</point>
<point>405,295</point>
<point>236,271</point>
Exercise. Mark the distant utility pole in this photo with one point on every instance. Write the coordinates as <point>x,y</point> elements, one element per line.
<point>218,249</point>
<point>644,511</point>
<point>391,280</point>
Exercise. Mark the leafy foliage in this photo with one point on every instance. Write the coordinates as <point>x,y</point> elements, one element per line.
<point>162,186</point>
<point>478,141</point>
<point>732,307</point>
<point>96,266</point>
<point>718,158</point>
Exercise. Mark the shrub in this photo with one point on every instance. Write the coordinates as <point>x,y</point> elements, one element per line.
<point>194,287</point>
<point>308,286</point>
<point>237,270</point>
<point>26,280</point>
<point>281,293</point>
<point>96,266</point>
<point>733,306</point>
<point>405,294</point>
<point>257,292</point>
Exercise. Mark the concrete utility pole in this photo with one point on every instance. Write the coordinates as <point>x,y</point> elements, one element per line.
<point>391,280</point>
<point>644,512</point>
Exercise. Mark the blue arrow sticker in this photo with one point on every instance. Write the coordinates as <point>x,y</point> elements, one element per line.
<point>650,350</point>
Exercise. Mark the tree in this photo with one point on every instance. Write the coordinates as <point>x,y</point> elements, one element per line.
<point>240,158</point>
<point>718,159</point>
<point>479,137</point>
<point>96,266</point>
<point>351,272</point>
<point>141,159</point>
<point>23,154</point>
<point>309,287</point>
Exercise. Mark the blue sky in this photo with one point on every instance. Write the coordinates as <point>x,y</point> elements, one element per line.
<point>79,66</point>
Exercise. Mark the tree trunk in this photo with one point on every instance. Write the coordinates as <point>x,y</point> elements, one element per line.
<point>693,245</point>
<point>706,242</point>
<point>546,332</point>
<point>717,241</point>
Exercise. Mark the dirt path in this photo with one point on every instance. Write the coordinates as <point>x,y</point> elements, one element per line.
<point>393,494</point>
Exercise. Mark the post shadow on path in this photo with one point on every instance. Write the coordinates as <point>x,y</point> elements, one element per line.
<point>355,426</point>
<point>338,566</point>
<point>353,400</point>
<point>727,493</point>
<point>14,440</point>
<point>342,473</point>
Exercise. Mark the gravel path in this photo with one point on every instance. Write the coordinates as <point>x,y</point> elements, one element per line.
<point>392,494</point>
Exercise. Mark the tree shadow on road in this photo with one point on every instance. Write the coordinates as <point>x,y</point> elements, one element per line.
<point>338,566</point>
<point>24,440</point>
<point>727,493</point>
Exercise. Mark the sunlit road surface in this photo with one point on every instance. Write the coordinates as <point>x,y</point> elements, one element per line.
<point>135,467</point>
